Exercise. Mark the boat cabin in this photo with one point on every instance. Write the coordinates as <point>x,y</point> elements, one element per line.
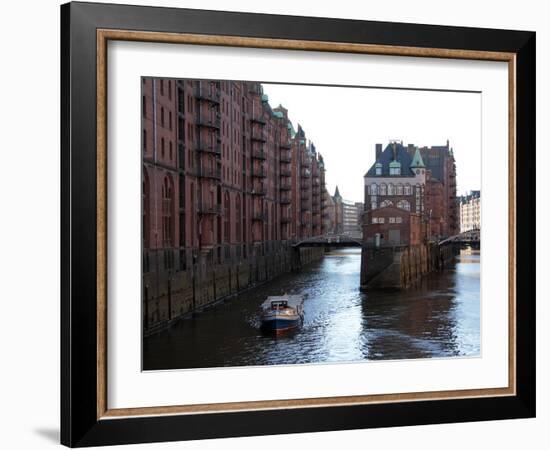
<point>283,302</point>
<point>277,305</point>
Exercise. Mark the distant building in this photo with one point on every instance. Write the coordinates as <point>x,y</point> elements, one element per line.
<point>410,194</point>
<point>470,211</point>
<point>328,212</point>
<point>351,217</point>
<point>338,219</point>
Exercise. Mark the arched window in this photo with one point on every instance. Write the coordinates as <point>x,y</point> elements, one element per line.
<point>391,189</point>
<point>386,203</point>
<point>227,217</point>
<point>399,189</point>
<point>374,189</point>
<point>383,189</point>
<point>418,197</point>
<point>238,218</point>
<point>145,213</point>
<point>404,204</point>
<point>192,209</point>
<point>407,190</point>
<point>167,208</point>
<point>273,224</point>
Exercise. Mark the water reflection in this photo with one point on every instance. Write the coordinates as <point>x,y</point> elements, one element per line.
<point>439,318</point>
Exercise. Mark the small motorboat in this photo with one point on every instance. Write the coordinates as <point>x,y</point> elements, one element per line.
<point>282,313</point>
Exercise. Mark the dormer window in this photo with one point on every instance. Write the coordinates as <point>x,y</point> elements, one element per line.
<point>395,168</point>
<point>378,169</point>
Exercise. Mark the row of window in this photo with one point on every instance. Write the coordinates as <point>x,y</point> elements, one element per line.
<point>390,189</point>
<point>162,114</point>
<point>395,171</point>
<point>390,220</point>
<point>163,147</point>
<point>401,204</point>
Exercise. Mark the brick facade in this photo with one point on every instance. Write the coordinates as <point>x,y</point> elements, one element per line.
<point>226,180</point>
<point>420,181</point>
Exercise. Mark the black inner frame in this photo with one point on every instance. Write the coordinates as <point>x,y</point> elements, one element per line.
<point>79,424</point>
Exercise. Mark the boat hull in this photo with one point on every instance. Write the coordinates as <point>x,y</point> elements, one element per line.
<point>279,325</point>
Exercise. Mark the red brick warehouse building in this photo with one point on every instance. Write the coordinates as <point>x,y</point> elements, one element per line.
<point>228,183</point>
<point>410,194</point>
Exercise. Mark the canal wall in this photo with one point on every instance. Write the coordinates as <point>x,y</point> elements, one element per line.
<point>399,267</point>
<point>171,295</point>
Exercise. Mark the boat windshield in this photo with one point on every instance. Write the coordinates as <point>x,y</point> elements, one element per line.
<point>278,305</point>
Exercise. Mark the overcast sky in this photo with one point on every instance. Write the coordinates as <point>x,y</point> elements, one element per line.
<point>345,124</point>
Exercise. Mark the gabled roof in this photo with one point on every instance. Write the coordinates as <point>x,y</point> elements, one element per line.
<point>387,156</point>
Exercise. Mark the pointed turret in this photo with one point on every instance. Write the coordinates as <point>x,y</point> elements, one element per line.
<point>417,161</point>
<point>337,193</point>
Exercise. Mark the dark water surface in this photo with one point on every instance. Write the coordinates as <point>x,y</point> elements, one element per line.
<point>440,318</point>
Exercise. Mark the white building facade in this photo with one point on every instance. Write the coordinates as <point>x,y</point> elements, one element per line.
<point>470,211</point>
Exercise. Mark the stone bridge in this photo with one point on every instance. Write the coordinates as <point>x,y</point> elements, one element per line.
<point>467,237</point>
<point>330,240</point>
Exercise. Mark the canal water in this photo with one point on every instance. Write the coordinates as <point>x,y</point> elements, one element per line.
<point>439,318</point>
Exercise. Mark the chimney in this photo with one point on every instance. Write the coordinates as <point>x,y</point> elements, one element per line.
<point>410,149</point>
<point>378,151</point>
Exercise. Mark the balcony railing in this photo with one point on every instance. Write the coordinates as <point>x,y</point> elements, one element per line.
<point>258,135</point>
<point>209,172</point>
<point>259,191</point>
<point>285,200</point>
<point>286,172</point>
<point>209,147</point>
<point>306,162</point>
<point>285,145</point>
<point>259,216</point>
<point>257,118</point>
<point>285,157</point>
<point>259,173</point>
<point>208,120</point>
<point>207,209</point>
<point>181,156</point>
<point>259,154</point>
<point>210,95</point>
<point>285,186</point>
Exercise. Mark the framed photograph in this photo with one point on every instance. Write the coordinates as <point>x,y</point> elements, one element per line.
<point>278,224</point>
